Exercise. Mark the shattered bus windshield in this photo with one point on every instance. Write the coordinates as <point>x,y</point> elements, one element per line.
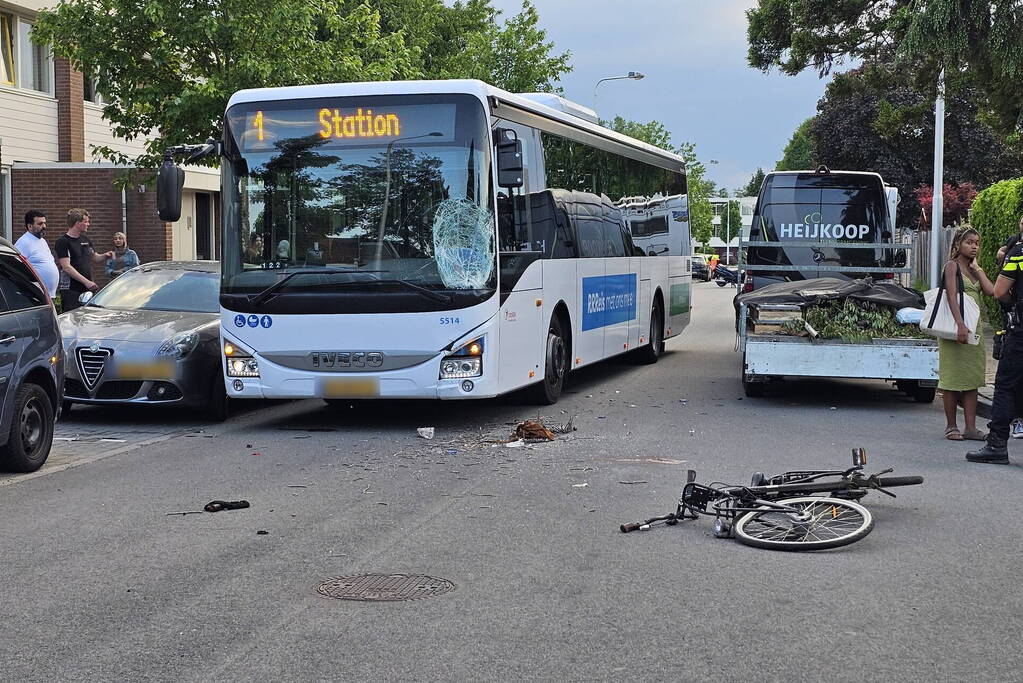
<point>377,198</point>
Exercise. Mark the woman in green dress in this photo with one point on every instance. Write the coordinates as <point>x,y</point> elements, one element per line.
<point>962,367</point>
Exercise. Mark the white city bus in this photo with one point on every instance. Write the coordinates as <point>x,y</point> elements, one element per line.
<point>435,239</point>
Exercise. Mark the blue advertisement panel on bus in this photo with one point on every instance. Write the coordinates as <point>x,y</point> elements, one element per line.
<point>608,299</point>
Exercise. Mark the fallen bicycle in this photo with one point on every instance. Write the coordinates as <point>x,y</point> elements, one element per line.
<point>786,512</point>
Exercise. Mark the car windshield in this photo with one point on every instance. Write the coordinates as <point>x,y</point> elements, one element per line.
<point>152,289</point>
<point>370,193</point>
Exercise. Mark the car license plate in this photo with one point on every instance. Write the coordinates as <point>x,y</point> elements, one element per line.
<point>150,370</point>
<point>349,387</point>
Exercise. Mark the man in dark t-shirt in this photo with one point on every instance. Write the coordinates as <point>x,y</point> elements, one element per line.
<point>75,257</point>
<point>1008,290</point>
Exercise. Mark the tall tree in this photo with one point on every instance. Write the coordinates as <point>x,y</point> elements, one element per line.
<point>977,41</point>
<point>731,221</point>
<point>871,119</point>
<point>752,188</point>
<point>517,56</point>
<point>701,213</point>
<point>798,154</point>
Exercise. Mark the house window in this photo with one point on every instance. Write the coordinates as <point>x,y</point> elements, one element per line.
<point>23,63</point>
<point>6,49</point>
<point>35,61</point>
<point>91,88</point>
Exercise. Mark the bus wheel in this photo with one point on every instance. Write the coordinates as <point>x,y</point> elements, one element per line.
<point>652,351</point>
<point>548,390</point>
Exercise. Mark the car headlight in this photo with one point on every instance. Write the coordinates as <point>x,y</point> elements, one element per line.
<point>465,361</point>
<point>239,363</point>
<point>180,345</point>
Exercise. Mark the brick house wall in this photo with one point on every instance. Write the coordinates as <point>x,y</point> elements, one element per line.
<point>55,190</point>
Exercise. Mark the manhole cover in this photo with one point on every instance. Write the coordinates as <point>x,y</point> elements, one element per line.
<point>384,587</point>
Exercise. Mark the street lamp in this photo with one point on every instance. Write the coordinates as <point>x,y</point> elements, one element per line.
<point>387,185</point>
<point>634,75</point>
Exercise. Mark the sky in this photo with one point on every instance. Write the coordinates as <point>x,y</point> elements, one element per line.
<point>697,82</point>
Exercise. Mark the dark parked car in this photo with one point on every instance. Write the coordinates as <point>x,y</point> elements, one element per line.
<point>31,365</point>
<point>152,336</point>
<point>701,271</point>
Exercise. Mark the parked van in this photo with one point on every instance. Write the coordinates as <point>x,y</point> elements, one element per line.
<point>821,206</point>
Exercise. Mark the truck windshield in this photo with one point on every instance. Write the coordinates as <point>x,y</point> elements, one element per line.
<point>808,207</point>
<point>383,199</point>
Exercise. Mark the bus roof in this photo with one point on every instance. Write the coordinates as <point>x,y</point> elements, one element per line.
<point>479,89</point>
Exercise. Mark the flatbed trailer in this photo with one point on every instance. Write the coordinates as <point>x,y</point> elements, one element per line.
<point>911,363</point>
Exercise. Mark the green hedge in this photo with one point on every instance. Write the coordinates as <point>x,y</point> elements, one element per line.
<point>995,215</point>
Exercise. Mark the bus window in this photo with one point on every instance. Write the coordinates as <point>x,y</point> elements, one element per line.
<point>614,231</point>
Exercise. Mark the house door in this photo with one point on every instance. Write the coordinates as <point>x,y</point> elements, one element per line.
<point>203,227</point>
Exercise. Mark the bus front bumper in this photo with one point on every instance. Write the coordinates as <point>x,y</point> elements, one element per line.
<point>420,381</point>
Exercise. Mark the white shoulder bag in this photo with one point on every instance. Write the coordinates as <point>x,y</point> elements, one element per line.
<point>938,321</point>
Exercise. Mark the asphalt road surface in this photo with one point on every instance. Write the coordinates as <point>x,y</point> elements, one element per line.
<point>101,583</point>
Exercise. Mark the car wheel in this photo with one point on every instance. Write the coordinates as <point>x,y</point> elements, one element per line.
<point>31,436</point>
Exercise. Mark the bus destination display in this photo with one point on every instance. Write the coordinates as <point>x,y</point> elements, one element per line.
<point>349,125</point>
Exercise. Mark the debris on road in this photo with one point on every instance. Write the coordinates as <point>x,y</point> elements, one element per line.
<point>262,532</point>
<point>566,428</point>
<point>218,505</point>
<point>518,443</point>
<point>531,429</point>
<point>425,432</point>
<point>637,481</point>
<point>186,512</point>
<point>579,486</point>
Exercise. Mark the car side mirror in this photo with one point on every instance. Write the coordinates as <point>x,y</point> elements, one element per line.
<point>85,297</point>
<point>509,158</point>
<point>170,179</point>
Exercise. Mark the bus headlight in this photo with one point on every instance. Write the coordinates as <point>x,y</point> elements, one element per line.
<point>466,361</point>
<point>239,363</point>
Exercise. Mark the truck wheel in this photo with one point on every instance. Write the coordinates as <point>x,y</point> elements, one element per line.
<point>906,386</point>
<point>923,394</point>
<point>751,389</point>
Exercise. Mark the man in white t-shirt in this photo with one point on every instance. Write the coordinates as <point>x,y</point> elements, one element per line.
<point>35,249</point>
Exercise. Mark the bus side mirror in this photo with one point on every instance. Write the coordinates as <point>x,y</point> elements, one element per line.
<point>509,158</point>
<point>169,181</point>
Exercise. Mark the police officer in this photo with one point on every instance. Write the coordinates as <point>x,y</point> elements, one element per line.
<point>1009,290</point>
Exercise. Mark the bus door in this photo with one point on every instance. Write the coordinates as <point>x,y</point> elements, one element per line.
<point>520,259</point>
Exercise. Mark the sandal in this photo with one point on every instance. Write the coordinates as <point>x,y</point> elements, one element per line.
<point>974,435</point>
<point>953,434</point>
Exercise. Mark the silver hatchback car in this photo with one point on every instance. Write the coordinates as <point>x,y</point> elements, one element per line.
<point>152,336</point>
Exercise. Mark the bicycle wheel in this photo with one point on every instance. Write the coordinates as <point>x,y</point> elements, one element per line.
<point>833,523</point>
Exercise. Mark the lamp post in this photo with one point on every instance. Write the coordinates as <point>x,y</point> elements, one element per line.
<point>634,75</point>
<point>387,185</point>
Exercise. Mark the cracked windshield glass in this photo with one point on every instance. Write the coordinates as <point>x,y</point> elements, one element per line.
<point>369,203</point>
